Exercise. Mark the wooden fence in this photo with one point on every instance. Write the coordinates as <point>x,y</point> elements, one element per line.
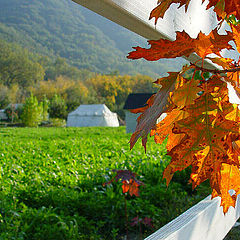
<point>205,220</point>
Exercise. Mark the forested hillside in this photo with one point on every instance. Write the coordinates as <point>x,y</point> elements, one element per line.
<point>23,72</point>
<point>63,28</point>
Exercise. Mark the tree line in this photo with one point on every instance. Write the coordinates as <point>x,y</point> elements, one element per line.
<point>24,73</point>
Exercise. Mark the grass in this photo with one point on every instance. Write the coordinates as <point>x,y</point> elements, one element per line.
<point>51,184</point>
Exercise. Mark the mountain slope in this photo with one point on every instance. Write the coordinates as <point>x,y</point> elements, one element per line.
<point>63,28</point>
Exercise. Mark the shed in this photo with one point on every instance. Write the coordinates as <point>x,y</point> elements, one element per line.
<point>134,100</point>
<point>92,115</point>
<point>3,115</point>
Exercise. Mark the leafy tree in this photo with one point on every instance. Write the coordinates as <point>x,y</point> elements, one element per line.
<point>57,108</point>
<point>50,88</point>
<point>202,125</point>
<point>32,112</point>
<point>17,67</point>
<point>106,88</point>
<point>76,95</point>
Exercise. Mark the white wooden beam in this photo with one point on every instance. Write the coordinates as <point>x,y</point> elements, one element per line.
<point>134,15</point>
<point>204,221</point>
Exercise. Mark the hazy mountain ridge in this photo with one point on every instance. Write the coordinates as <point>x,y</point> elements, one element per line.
<point>63,28</point>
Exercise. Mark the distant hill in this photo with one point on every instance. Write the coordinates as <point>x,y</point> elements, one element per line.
<point>88,41</point>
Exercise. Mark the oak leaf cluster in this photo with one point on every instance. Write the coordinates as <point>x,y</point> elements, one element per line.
<point>201,125</point>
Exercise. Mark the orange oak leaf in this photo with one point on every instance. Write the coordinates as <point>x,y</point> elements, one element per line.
<point>225,63</point>
<point>131,186</point>
<point>156,106</point>
<point>186,91</point>
<point>222,8</point>
<point>208,137</point>
<point>236,33</point>
<point>230,178</point>
<point>202,127</point>
<point>125,186</point>
<point>163,5</point>
<point>234,79</point>
<point>206,146</point>
<point>164,129</point>
<point>225,6</point>
<point>184,45</point>
<point>234,115</point>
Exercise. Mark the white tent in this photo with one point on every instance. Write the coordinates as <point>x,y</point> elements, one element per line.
<point>92,115</point>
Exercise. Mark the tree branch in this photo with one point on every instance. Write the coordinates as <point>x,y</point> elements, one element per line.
<point>237,69</point>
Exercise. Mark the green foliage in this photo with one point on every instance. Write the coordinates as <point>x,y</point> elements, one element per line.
<point>57,122</point>
<point>57,108</point>
<point>32,112</point>
<point>51,182</point>
<point>17,67</point>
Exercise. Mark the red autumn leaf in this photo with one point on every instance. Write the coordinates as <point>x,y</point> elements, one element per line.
<point>156,106</point>
<point>146,221</point>
<point>131,186</point>
<point>222,8</point>
<point>225,8</point>
<point>184,45</point>
<point>125,186</point>
<point>225,63</point>
<point>163,5</point>
<point>129,182</point>
<point>210,134</point>
<point>201,126</point>
<point>236,33</point>
<point>122,175</point>
<point>230,178</point>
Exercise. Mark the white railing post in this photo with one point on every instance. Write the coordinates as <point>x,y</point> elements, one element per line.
<point>203,221</point>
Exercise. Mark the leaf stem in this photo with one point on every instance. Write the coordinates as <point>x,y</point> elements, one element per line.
<point>126,216</point>
<point>237,69</point>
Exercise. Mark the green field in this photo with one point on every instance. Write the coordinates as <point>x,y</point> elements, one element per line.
<point>51,184</point>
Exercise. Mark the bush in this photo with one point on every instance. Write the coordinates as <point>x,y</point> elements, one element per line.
<point>32,112</point>
<point>57,122</point>
<point>13,112</point>
<point>57,108</point>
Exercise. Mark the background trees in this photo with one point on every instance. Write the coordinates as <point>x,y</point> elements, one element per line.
<point>23,72</point>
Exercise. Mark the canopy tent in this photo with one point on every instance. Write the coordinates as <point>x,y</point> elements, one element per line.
<point>92,115</point>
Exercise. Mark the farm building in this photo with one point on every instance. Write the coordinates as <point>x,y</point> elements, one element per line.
<point>92,115</point>
<point>134,100</point>
<point>3,115</point>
